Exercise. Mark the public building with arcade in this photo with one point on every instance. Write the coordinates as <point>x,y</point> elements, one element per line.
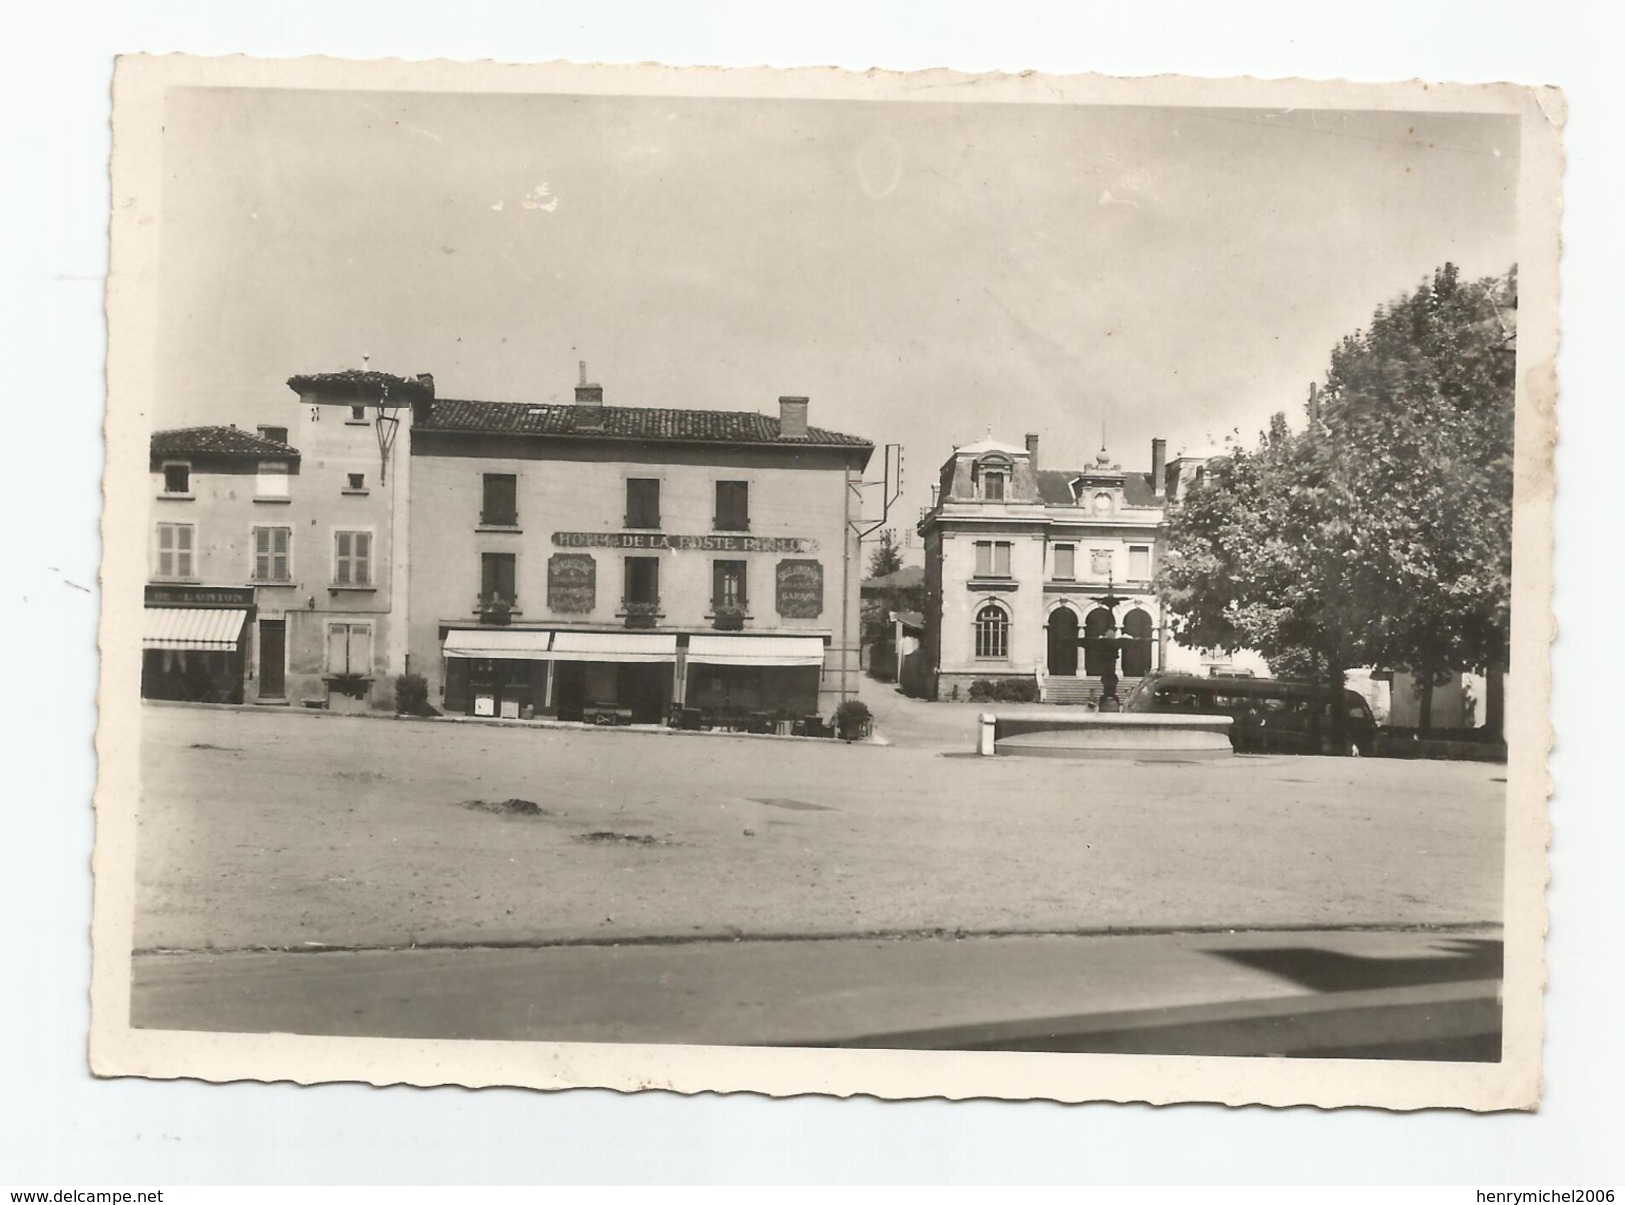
<point>1048,575</point>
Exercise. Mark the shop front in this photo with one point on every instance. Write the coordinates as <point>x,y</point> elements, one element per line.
<point>765,682</point>
<point>496,673</point>
<point>592,677</point>
<point>194,643</point>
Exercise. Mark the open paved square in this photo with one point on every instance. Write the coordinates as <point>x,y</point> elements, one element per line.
<point>287,830</point>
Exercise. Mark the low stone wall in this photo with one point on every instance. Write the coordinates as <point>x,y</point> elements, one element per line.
<point>1064,733</point>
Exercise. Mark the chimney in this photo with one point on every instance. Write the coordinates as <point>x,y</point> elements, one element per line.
<point>426,380</point>
<point>588,394</point>
<point>1032,450</point>
<point>1159,467</point>
<point>792,418</point>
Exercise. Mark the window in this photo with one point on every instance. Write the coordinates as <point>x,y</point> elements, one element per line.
<point>643,502</point>
<point>643,580</point>
<point>175,550</point>
<point>992,558</point>
<point>728,585</point>
<point>1066,562</point>
<point>992,479</point>
<point>992,632</point>
<point>733,506</point>
<point>357,482</point>
<point>352,558</point>
<point>278,434</point>
<point>272,481</point>
<point>349,649</point>
<point>501,505</point>
<point>1139,562</point>
<point>358,414</point>
<point>271,554</point>
<point>177,479</point>
<point>497,577</point>
<point>1100,561</point>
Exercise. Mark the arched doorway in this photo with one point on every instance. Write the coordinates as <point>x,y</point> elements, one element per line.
<point>1063,642</point>
<point>1137,653</point>
<point>1096,659</point>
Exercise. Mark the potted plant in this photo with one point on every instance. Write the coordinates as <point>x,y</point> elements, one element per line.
<point>728,618</point>
<point>853,720</point>
<point>641,614</point>
<point>495,611</point>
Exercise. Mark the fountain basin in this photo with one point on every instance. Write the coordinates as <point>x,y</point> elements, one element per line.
<point>1143,737</point>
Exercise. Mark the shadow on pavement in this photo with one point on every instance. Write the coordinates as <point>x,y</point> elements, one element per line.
<point>1331,971</point>
<point>1438,1009</point>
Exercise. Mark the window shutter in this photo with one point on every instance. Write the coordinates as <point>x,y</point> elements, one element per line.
<point>1001,559</point>
<point>337,648</point>
<point>984,558</point>
<point>183,550</point>
<point>733,506</point>
<point>643,502</point>
<point>360,649</point>
<point>279,554</point>
<point>719,584</point>
<point>363,559</point>
<point>166,555</point>
<point>262,553</point>
<point>341,560</point>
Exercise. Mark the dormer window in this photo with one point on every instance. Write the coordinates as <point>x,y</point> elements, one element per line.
<point>993,479</point>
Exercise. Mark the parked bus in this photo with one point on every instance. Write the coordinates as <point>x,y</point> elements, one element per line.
<point>1271,715</point>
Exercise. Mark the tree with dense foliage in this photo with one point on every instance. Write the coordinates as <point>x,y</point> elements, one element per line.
<point>887,556</point>
<point>1382,534</point>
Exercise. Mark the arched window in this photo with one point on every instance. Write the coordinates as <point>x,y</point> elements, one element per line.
<point>992,632</point>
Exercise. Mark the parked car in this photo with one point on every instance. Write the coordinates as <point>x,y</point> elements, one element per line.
<point>1272,715</point>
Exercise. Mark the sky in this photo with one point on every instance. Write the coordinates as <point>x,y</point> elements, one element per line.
<point>927,273</point>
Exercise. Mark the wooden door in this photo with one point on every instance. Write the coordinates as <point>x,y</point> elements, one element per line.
<point>273,658</point>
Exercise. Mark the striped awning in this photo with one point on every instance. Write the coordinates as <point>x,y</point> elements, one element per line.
<point>191,628</point>
<point>498,643</point>
<point>756,650</point>
<point>614,646</point>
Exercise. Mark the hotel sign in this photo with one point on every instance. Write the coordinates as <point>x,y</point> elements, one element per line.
<point>572,582</point>
<point>658,541</point>
<point>800,589</point>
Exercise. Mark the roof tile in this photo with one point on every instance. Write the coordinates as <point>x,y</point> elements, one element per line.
<point>621,422</point>
<point>218,441</point>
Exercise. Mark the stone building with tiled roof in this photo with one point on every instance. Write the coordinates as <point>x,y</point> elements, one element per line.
<point>212,488</point>
<point>1027,568</point>
<point>272,577</point>
<point>630,564</point>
